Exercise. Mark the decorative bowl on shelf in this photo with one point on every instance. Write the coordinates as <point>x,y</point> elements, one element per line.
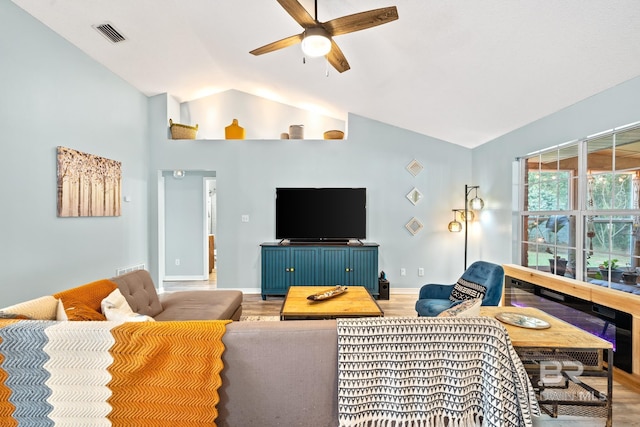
<point>334,134</point>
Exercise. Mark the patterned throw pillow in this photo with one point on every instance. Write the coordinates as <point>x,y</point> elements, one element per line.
<point>465,289</point>
<point>468,308</point>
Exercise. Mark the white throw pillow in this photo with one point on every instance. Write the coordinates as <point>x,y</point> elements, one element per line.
<point>467,308</point>
<point>43,308</point>
<point>115,307</point>
<point>61,314</point>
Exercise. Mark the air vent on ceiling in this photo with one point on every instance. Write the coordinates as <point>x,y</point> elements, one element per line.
<point>110,32</point>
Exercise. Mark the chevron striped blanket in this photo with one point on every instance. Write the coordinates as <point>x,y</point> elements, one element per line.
<point>422,371</point>
<point>109,373</point>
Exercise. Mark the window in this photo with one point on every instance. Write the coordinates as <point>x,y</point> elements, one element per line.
<point>580,209</point>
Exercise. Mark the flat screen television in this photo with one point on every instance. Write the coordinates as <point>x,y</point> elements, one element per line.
<point>321,214</point>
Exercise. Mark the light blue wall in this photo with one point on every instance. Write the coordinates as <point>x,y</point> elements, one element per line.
<point>375,156</point>
<point>492,162</point>
<point>52,94</point>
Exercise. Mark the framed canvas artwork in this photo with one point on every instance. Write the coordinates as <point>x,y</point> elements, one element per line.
<point>88,185</point>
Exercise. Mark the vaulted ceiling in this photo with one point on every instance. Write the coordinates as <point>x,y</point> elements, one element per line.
<point>464,71</point>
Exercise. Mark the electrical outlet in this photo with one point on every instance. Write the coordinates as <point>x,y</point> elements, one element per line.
<point>420,271</point>
<point>245,218</point>
<point>403,271</point>
<point>177,261</point>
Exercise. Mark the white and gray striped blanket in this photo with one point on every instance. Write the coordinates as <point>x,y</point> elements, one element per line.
<point>456,372</point>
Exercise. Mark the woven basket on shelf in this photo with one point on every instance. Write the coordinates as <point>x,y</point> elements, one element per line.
<point>179,131</point>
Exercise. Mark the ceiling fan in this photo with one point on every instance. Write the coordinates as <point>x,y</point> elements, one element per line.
<point>317,37</point>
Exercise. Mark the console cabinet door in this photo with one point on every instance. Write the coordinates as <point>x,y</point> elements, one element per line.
<point>335,266</point>
<point>363,268</point>
<point>275,270</point>
<point>304,267</point>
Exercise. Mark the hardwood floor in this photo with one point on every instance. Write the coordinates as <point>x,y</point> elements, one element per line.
<point>626,410</point>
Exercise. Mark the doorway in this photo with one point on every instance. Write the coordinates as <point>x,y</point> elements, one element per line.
<point>211,219</point>
<point>187,224</point>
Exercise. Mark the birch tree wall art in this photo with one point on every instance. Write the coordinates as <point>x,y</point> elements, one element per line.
<point>88,185</point>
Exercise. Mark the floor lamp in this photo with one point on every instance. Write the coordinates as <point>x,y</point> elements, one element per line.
<point>467,214</point>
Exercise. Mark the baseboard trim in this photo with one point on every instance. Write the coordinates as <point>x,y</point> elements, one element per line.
<point>404,291</point>
<point>184,278</point>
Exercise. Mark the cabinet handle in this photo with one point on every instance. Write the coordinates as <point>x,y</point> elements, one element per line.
<point>292,269</point>
<point>347,269</point>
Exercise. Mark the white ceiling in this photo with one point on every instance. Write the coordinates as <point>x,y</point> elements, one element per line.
<point>464,71</point>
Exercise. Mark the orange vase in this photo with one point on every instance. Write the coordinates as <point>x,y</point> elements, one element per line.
<point>234,131</point>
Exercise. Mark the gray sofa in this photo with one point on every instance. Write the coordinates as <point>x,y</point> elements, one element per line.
<point>279,374</point>
<point>272,373</point>
<point>275,373</point>
<point>140,292</point>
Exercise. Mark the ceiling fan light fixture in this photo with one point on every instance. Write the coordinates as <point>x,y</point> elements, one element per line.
<point>316,42</point>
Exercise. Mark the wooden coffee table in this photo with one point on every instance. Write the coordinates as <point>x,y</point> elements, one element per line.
<point>355,302</point>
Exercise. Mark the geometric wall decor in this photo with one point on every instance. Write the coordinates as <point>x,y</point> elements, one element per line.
<point>414,196</point>
<point>414,226</point>
<point>414,167</point>
<point>88,185</point>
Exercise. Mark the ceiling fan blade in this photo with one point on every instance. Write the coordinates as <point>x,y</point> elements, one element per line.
<point>299,13</point>
<point>337,59</point>
<point>280,44</point>
<point>360,21</point>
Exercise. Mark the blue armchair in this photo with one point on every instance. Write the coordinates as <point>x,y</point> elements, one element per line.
<point>480,275</point>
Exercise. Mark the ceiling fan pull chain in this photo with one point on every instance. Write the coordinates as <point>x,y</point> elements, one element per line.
<point>326,70</point>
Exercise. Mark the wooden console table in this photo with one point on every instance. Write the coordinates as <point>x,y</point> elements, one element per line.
<point>565,349</point>
<point>614,299</point>
<point>283,266</point>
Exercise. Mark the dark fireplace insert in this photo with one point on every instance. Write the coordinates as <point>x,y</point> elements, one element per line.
<point>605,322</point>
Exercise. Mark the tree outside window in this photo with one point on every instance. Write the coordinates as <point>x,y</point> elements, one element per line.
<point>580,207</point>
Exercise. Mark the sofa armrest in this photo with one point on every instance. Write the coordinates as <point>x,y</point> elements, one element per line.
<point>435,291</point>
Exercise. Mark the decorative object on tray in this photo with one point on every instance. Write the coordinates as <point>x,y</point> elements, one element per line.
<point>334,134</point>
<point>329,293</point>
<point>234,131</point>
<point>523,321</point>
<point>180,131</point>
